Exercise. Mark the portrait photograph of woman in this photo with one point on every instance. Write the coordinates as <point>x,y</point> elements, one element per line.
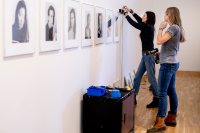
<point>72,24</point>
<point>100,17</point>
<point>117,26</point>
<point>20,32</point>
<point>109,26</point>
<point>51,29</point>
<point>100,25</point>
<point>19,27</point>
<point>87,25</point>
<point>50,34</point>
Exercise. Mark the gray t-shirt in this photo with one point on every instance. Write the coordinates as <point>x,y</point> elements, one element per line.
<point>169,49</point>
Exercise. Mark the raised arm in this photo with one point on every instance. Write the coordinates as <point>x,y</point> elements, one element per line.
<point>137,17</point>
<point>162,37</point>
<point>139,26</point>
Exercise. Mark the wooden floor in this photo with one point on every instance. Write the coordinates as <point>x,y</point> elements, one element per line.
<point>188,119</point>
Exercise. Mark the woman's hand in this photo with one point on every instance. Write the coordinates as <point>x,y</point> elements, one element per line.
<point>163,25</point>
<point>162,37</point>
<point>131,11</point>
<point>126,10</point>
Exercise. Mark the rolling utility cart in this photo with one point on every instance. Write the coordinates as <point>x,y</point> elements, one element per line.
<point>103,114</point>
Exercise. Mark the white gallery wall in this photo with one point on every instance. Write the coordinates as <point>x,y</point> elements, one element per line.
<point>42,92</point>
<point>189,51</point>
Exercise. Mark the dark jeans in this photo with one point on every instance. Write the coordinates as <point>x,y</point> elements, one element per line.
<point>147,63</point>
<point>166,83</point>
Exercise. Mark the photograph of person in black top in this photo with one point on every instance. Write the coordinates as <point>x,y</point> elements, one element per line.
<point>100,25</point>
<point>109,26</point>
<point>50,25</point>
<point>147,63</point>
<point>20,32</point>
<point>116,26</point>
<point>87,27</point>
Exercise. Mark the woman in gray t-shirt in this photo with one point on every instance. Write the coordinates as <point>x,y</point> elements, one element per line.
<point>169,64</point>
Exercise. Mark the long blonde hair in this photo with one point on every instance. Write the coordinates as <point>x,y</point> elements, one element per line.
<point>175,18</point>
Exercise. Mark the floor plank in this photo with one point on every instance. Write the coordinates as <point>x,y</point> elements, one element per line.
<point>188,119</point>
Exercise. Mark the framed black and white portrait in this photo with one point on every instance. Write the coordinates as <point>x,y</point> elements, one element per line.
<point>19,27</point>
<point>99,25</point>
<point>50,34</point>
<point>87,25</point>
<point>72,24</point>
<point>117,26</point>
<point>109,26</point>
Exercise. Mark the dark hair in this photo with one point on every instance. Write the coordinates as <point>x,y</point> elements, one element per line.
<point>151,18</point>
<point>51,8</point>
<point>20,4</point>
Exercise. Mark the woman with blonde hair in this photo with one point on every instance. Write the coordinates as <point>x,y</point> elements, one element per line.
<point>169,64</point>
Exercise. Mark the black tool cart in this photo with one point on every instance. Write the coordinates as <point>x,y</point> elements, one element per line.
<point>104,114</point>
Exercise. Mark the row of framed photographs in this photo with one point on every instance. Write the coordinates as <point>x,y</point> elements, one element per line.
<point>83,24</point>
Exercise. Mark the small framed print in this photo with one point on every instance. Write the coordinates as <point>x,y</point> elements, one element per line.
<point>72,25</point>
<point>19,27</point>
<point>99,25</point>
<point>109,26</point>
<point>50,25</point>
<point>117,26</point>
<point>87,25</point>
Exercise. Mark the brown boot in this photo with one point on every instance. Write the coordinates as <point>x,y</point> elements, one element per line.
<point>170,120</point>
<point>158,126</point>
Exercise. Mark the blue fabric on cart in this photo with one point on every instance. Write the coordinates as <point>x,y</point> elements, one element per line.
<point>96,90</point>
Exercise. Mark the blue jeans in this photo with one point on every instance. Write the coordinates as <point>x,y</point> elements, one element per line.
<point>147,63</point>
<point>166,82</point>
